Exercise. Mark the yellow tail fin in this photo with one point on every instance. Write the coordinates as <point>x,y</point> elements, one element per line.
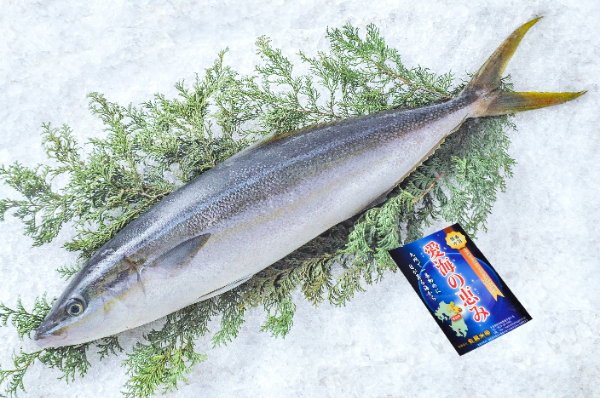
<point>486,83</point>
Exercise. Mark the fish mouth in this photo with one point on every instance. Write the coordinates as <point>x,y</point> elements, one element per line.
<point>49,340</point>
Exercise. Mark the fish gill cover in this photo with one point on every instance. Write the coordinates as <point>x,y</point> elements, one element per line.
<point>222,112</point>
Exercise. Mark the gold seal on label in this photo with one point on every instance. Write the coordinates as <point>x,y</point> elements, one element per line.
<point>456,240</point>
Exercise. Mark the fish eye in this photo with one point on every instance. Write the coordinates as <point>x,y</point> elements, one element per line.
<point>75,307</point>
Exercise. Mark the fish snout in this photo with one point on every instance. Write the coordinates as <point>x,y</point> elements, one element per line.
<point>46,337</point>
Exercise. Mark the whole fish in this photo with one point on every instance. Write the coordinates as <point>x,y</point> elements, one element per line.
<point>263,203</point>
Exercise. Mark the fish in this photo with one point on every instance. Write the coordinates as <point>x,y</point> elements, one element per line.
<point>261,204</point>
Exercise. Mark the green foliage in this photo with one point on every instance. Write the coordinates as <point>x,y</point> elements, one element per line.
<point>69,360</point>
<point>148,151</point>
<point>280,323</point>
<point>24,321</point>
<point>109,346</point>
<point>151,368</point>
<point>14,377</point>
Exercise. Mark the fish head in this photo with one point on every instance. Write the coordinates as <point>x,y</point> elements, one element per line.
<point>102,299</point>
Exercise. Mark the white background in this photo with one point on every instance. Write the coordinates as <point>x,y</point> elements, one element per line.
<point>543,232</point>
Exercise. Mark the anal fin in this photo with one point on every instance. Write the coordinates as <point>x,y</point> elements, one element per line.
<point>382,198</point>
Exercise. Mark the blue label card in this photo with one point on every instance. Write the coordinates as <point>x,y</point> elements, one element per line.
<point>462,291</point>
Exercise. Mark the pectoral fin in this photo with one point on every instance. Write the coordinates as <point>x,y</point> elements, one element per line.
<point>180,256</point>
<point>166,242</point>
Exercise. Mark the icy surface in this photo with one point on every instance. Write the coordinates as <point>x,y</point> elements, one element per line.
<point>543,231</point>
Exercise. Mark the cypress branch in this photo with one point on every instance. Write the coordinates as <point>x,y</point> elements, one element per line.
<point>148,151</point>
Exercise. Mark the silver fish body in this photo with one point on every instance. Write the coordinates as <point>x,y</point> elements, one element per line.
<point>248,212</point>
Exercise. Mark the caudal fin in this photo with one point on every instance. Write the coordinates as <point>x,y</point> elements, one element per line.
<point>486,83</point>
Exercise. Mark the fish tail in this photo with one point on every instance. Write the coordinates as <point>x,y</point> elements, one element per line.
<point>486,84</point>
